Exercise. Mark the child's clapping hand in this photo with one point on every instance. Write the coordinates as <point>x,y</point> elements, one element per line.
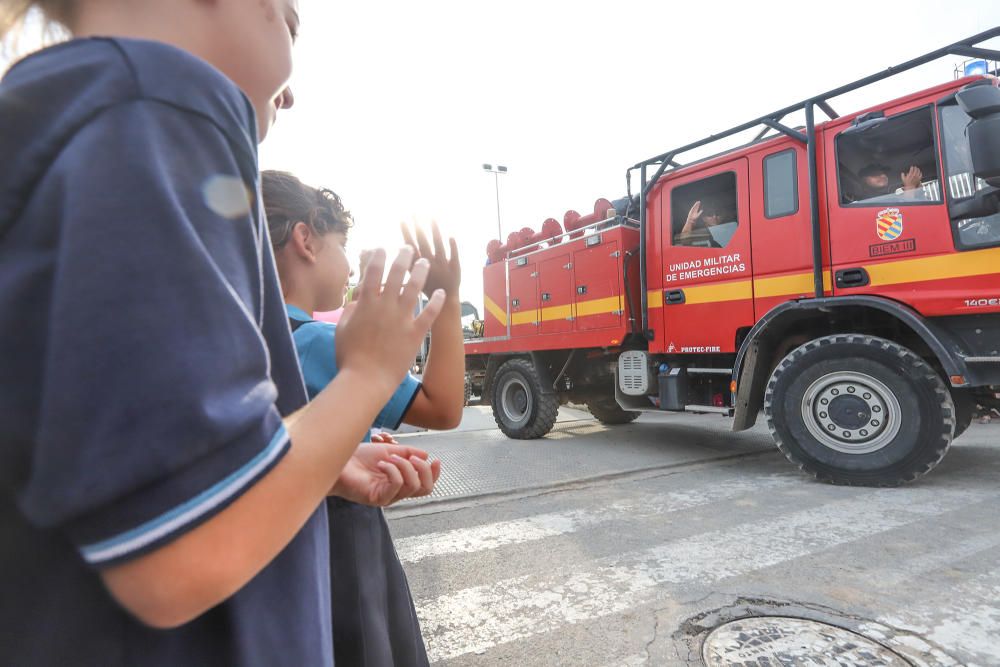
<point>445,272</point>
<point>378,335</point>
<point>381,474</point>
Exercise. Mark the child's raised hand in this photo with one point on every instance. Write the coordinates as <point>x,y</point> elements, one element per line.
<point>446,273</point>
<point>379,334</point>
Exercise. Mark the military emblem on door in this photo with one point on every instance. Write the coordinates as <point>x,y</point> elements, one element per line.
<point>889,224</point>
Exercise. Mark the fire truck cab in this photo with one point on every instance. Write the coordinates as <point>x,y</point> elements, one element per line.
<point>842,277</point>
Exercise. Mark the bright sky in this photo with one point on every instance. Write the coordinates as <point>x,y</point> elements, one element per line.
<point>399,103</point>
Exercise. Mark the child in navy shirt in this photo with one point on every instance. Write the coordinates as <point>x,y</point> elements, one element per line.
<point>374,623</point>
<point>161,482</point>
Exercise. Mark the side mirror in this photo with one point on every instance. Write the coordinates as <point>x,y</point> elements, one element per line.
<point>983,203</point>
<point>469,309</point>
<point>982,104</point>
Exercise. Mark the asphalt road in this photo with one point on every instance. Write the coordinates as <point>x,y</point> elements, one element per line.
<point>627,545</point>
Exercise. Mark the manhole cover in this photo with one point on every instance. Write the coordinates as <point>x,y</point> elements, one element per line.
<point>776,640</point>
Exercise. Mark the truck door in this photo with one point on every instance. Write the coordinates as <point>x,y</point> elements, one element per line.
<point>706,263</point>
<point>886,207</point>
<point>782,233</point>
<point>524,319</point>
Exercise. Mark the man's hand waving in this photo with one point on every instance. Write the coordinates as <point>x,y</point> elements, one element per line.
<point>911,178</point>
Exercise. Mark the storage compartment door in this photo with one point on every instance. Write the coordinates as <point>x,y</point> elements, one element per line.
<point>523,300</point>
<point>598,286</point>
<point>555,286</point>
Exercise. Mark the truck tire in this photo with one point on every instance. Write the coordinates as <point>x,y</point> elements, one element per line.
<point>520,408</point>
<point>468,389</point>
<point>859,410</point>
<point>607,411</point>
<point>965,409</point>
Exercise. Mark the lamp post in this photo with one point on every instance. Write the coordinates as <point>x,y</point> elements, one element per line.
<point>500,169</point>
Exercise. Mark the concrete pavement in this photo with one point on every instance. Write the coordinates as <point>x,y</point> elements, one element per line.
<point>627,545</point>
<point>478,459</point>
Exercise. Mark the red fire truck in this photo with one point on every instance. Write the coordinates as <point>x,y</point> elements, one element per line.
<point>842,277</point>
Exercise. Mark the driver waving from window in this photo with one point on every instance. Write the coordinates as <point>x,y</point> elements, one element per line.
<point>875,183</point>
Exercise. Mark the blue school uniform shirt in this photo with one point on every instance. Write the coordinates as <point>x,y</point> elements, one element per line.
<point>146,357</point>
<point>316,346</point>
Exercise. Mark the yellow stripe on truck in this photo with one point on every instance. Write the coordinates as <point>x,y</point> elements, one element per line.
<point>527,317</point>
<point>734,291</point>
<point>496,311</point>
<point>712,293</point>
<point>798,283</point>
<point>916,270</point>
<point>941,267</point>
<point>598,306</point>
<point>963,265</point>
<point>557,313</point>
<point>551,313</point>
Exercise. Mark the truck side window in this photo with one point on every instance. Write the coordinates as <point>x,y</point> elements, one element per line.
<point>704,213</point>
<point>781,196</point>
<point>889,160</point>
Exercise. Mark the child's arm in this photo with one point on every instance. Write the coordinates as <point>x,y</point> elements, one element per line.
<point>184,578</point>
<point>438,404</point>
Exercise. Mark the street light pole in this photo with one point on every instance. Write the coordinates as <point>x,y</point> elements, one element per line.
<point>500,169</point>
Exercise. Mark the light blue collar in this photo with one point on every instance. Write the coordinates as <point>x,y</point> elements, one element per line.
<point>297,313</point>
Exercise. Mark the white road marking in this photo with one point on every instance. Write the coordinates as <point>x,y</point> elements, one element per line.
<point>970,623</point>
<point>939,556</point>
<point>517,531</point>
<point>479,618</point>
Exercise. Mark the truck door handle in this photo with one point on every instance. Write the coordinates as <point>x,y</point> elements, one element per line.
<point>582,289</point>
<point>673,297</point>
<point>852,278</point>
<point>546,296</point>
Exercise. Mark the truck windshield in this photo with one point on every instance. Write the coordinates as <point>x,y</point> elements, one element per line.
<point>971,232</point>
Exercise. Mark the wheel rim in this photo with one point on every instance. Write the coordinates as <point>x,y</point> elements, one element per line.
<point>515,400</point>
<point>851,412</point>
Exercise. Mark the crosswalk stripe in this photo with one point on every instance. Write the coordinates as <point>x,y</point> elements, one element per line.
<point>517,531</point>
<point>970,623</point>
<point>939,556</point>
<point>478,618</point>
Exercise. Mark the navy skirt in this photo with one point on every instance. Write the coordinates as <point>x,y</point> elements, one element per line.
<point>374,620</point>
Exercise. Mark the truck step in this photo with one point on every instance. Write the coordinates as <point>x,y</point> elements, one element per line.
<point>709,408</point>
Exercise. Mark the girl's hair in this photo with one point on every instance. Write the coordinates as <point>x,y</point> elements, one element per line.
<point>288,201</point>
<point>14,12</point>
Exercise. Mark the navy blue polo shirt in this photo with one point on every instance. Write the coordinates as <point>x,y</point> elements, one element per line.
<point>146,357</point>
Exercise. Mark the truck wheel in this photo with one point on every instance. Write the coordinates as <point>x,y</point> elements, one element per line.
<point>468,389</point>
<point>607,411</point>
<point>859,410</point>
<point>520,408</point>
